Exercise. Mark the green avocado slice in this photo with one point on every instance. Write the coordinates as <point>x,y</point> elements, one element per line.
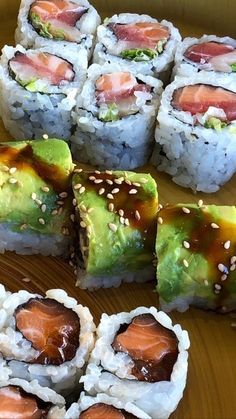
<point>196,253</point>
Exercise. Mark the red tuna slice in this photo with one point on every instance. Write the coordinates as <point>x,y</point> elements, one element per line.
<point>52,328</point>
<point>202,53</point>
<point>16,403</point>
<point>105,411</point>
<point>41,66</point>
<point>62,10</point>
<point>113,87</point>
<point>152,347</point>
<point>199,97</point>
<point>141,34</point>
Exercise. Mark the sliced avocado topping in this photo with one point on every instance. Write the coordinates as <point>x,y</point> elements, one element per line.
<point>233,67</point>
<point>137,54</point>
<point>45,29</point>
<point>109,113</point>
<point>215,123</point>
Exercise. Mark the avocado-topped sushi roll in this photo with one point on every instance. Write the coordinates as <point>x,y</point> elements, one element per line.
<point>116,219</point>
<point>140,357</point>
<point>103,406</point>
<point>196,131</point>
<point>115,117</point>
<point>196,252</point>
<point>36,197</point>
<point>139,43</point>
<point>22,400</point>
<point>208,53</point>
<point>46,338</point>
<point>62,24</point>
<point>38,90</point>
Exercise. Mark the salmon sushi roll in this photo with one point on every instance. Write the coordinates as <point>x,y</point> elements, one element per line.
<point>115,117</point>
<point>22,400</point>
<point>62,24</point>
<point>196,131</point>
<point>138,43</point>
<point>141,358</point>
<point>38,90</point>
<point>103,406</point>
<point>47,339</point>
<point>208,53</point>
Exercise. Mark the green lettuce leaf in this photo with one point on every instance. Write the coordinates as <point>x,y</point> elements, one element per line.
<point>215,123</point>
<point>137,54</point>
<point>233,66</point>
<point>109,114</point>
<point>45,29</point>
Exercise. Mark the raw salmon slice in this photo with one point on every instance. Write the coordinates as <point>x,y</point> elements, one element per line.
<point>199,97</point>
<point>41,66</point>
<point>105,411</point>
<point>152,347</point>
<point>52,329</point>
<point>141,34</point>
<point>202,53</point>
<point>16,403</point>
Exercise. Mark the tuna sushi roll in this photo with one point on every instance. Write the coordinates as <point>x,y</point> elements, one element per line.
<point>35,197</point>
<point>38,91</point>
<point>139,43</point>
<point>46,338</point>
<point>103,406</point>
<point>115,117</point>
<point>62,24</point>
<point>208,53</point>
<point>196,251</point>
<point>140,358</point>
<point>22,400</point>
<point>196,132</point>
<point>116,220</point>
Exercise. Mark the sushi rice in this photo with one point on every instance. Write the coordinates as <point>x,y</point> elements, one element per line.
<point>31,114</point>
<point>109,372</point>
<point>18,351</point>
<point>200,158</point>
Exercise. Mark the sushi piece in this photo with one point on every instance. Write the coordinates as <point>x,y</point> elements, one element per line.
<point>35,197</point>
<point>103,406</point>
<point>196,252</point>
<point>141,358</point>
<point>116,221</point>
<point>47,339</point>
<point>138,43</point>
<point>63,24</point>
<point>208,53</point>
<point>115,117</point>
<point>196,132</point>
<point>38,90</point>
<point>22,400</point>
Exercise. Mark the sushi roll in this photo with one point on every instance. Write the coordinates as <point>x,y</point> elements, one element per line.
<point>22,400</point>
<point>47,339</point>
<point>208,53</point>
<point>35,196</point>
<point>139,43</point>
<point>38,90</point>
<point>196,252</point>
<point>196,131</point>
<point>115,221</point>
<point>103,406</point>
<point>115,117</point>
<point>62,24</point>
<point>141,358</point>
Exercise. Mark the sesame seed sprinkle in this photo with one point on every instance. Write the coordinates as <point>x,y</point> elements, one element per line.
<point>223,277</point>
<point>115,190</point>
<point>119,181</point>
<point>5,169</point>
<point>109,181</point>
<point>90,210</point>
<point>42,221</point>
<point>83,208</point>
<point>60,210</point>
<point>214,225</point>
<point>74,202</point>
<point>110,196</point>
<point>137,184</point>
<point>233,260</point>
<point>78,170</point>
<point>45,136</point>
<point>111,207</point>
<point>92,178</point>
<point>71,264</point>
<point>122,220</point>
<point>82,190</point>
<point>121,212</point>
<point>233,267</point>
<point>97,181</point>
<point>227,244</point>
<point>186,244</point>
<point>128,182</point>
<point>63,195</point>
<point>133,191</point>
<point>160,220</point>
<point>200,203</point>
<point>89,229</point>
<point>72,217</point>
<point>160,207</point>
<point>45,188</point>
<point>206,283</point>
<point>137,215</point>
<point>97,172</point>
<point>218,286</point>
<point>109,172</point>
<point>23,226</point>
<point>127,222</point>
<point>101,191</point>
<point>82,224</point>
<point>112,227</point>
<point>26,279</point>
<point>13,180</point>
<point>54,212</point>
<point>77,186</point>
<point>143,180</point>
<point>60,203</point>
<point>222,267</point>
<point>12,170</point>
<point>38,202</point>
<point>186,210</point>
<point>43,207</point>
<point>33,196</point>
<point>185,262</point>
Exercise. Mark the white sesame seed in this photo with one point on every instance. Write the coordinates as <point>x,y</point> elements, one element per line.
<point>112,227</point>
<point>42,221</point>
<point>160,220</point>
<point>71,264</point>
<point>12,170</point>
<point>77,186</point>
<point>116,190</point>
<point>137,215</point>
<point>82,224</point>
<point>97,181</point>
<point>45,136</point>
<point>60,210</point>
<point>38,202</point>
<point>186,210</point>
<point>143,180</point>
<point>23,226</point>
<point>110,196</point>
<point>92,178</point>
<point>128,182</point>
<point>89,210</point>
<point>63,195</point>
<point>221,267</point>
<point>133,191</point>
<point>26,279</point>
<point>78,170</point>
<point>89,229</point>
<point>83,208</point>
<point>60,203</point>
<point>119,181</point>
<point>13,180</point>
<point>5,169</point>
<point>74,202</point>
<point>75,272</point>
<point>233,267</point>
<point>45,189</point>
<point>126,221</point>
<point>33,196</point>
<point>137,184</point>
<point>54,212</point>
<point>206,283</point>
<point>111,207</point>
<point>72,217</point>
<point>214,225</point>
<point>200,203</point>
<point>122,220</point>
<point>121,212</point>
<point>218,287</point>
<point>227,244</point>
<point>185,262</point>
<point>109,181</point>
<point>43,207</point>
<point>82,190</point>
<point>224,277</point>
<point>101,191</point>
<point>97,172</point>
<point>186,244</point>
<point>109,172</point>
<point>160,207</point>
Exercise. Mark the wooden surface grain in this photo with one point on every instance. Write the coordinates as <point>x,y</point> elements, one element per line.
<point>210,392</point>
